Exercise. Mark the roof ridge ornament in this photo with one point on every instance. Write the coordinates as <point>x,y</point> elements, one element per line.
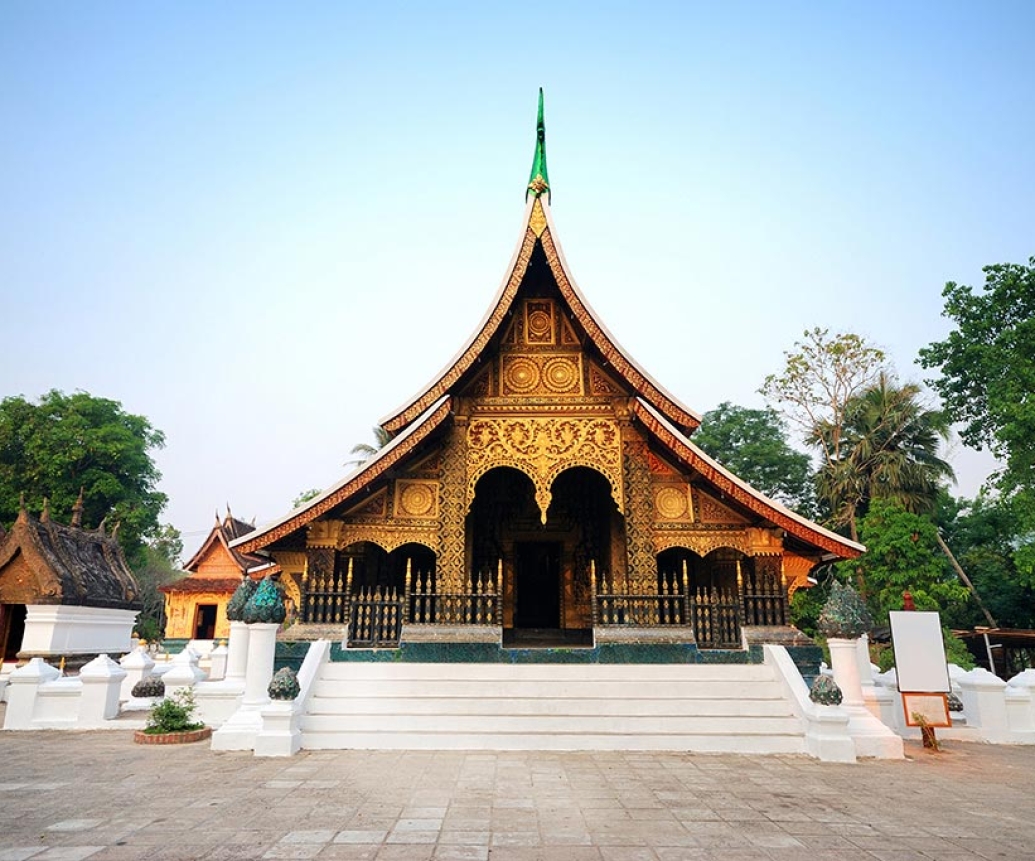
<point>539,178</point>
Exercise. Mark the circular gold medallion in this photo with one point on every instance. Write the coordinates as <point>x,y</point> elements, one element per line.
<point>539,326</point>
<point>522,375</point>
<point>671,503</point>
<point>418,500</point>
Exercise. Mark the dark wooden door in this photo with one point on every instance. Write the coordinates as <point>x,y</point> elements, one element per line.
<point>538,566</point>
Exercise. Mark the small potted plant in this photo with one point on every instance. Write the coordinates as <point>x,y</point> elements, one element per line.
<point>172,721</point>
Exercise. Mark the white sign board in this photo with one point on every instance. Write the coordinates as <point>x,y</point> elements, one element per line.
<point>919,652</point>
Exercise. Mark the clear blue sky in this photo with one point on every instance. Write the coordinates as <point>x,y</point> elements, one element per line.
<point>265,225</point>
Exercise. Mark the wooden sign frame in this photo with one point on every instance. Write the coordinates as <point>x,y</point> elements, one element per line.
<point>933,707</point>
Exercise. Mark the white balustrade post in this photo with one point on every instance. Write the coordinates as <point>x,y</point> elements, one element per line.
<point>984,703</point>
<point>845,664</point>
<point>217,663</point>
<point>237,653</point>
<point>23,687</point>
<point>102,681</point>
<point>870,735</point>
<point>138,665</point>
<point>262,646</point>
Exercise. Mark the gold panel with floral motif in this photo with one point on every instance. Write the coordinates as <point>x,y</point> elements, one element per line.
<point>416,499</point>
<point>543,448</point>
<point>673,502</point>
<point>701,541</point>
<point>389,537</point>
<point>540,325</point>
<point>711,511</point>
<point>541,374</point>
<point>374,507</point>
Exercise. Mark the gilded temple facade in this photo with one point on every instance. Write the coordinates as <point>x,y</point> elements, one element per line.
<point>543,484</point>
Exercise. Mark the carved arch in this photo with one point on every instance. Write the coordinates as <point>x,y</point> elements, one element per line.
<point>543,448</point>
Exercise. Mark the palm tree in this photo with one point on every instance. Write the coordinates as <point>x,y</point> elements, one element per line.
<point>889,451</point>
<point>367,451</point>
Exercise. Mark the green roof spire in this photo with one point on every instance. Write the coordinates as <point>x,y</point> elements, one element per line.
<point>539,179</point>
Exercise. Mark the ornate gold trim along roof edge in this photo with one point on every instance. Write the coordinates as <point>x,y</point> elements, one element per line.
<point>350,484</point>
<point>489,325</point>
<point>794,523</point>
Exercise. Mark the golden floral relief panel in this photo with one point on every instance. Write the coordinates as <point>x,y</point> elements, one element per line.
<point>416,499</point>
<point>711,510</point>
<point>543,448</point>
<point>545,374</point>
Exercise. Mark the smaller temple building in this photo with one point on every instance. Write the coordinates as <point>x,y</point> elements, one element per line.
<point>65,591</point>
<point>195,607</point>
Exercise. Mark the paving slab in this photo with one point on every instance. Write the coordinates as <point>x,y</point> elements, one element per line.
<point>96,795</point>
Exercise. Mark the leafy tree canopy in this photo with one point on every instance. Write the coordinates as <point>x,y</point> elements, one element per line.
<point>753,444</point>
<point>888,449</point>
<point>820,376</point>
<point>902,554</point>
<point>66,443</point>
<point>983,534</point>
<point>987,382</point>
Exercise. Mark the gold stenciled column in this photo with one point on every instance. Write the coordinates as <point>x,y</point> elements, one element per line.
<point>453,510</point>
<point>639,532</point>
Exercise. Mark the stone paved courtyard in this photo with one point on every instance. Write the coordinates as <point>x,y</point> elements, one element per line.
<point>99,796</point>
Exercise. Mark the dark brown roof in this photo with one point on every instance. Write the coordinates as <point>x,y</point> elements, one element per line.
<point>66,565</point>
<point>202,584</point>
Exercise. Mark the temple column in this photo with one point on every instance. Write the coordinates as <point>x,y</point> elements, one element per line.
<point>641,566</point>
<point>453,511</point>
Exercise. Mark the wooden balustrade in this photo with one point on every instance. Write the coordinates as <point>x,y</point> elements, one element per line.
<point>479,604</point>
<point>764,597</point>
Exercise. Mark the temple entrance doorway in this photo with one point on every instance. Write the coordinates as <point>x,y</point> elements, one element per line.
<point>205,622</point>
<point>12,629</point>
<point>537,567</point>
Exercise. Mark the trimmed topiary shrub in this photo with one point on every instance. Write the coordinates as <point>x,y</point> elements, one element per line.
<point>152,686</point>
<point>284,685</point>
<point>266,605</point>
<point>825,691</point>
<point>844,616</point>
<point>235,607</point>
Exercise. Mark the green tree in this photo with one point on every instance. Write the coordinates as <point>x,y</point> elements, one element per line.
<point>70,442</point>
<point>987,382</point>
<point>889,443</point>
<point>821,375</point>
<point>367,451</point>
<point>753,444</point>
<point>902,554</point>
<point>159,567</point>
<point>983,534</point>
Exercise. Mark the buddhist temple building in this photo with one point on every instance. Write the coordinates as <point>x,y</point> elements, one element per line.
<point>543,488</point>
<point>65,591</point>
<point>195,607</point>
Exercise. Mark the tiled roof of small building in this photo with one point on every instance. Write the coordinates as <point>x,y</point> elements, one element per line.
<point>45,562</point>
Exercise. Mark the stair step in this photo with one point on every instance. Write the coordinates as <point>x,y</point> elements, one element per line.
<point>474,724</point>
<point>732,708</point>
<point>355,670</point>
<point>444,705</point>
<point>546,688</point>
<point>700,743</point>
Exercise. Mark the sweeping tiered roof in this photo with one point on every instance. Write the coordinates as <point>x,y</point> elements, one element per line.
<point>669,422</point>
<point>46,562</point>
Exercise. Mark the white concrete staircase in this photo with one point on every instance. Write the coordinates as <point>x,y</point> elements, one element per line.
<point>727,708</point>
